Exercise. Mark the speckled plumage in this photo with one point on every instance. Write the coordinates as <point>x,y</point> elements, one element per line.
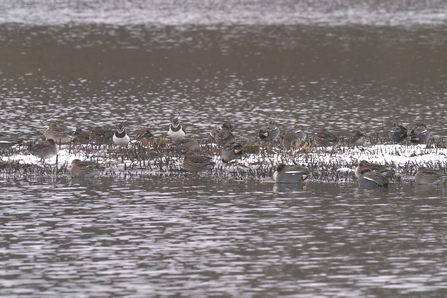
<point>85,168</point>
<point>59,134</point>
<point>44,149</point>
<point>325,138</point>
<point>426,175</point>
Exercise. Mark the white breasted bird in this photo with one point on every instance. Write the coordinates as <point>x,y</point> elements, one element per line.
<point>176,130</point>
<point>120,137</point>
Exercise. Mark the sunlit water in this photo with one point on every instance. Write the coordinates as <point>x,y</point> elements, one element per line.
<point>341,64</point>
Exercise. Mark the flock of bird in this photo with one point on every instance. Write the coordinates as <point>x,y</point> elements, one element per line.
<point>196,160</point>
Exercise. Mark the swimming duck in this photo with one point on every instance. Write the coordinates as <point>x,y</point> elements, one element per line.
<point>290,173</point>
<point>363,164</point>
<point>372,179</point>
<point>426,175</point>
<point>85,168</point>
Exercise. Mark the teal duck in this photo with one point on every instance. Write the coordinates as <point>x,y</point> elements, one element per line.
<point>419,134</point>
<point>371,179</point>
<point>293,137</point>
<point>6,142</point>
<point>224,135</point>
<point>290,173</point>
<point>325,138</point>
<point>61,135</point>
<point>101,136</point>
<point>398,133</point>
<point>176,130</point>
<point>80,136</point>
<point>44,149</point>
<point>143,135</point>
<point>363,164</point>
<point>269,132</point>
<point>120,136</point>
<point>426,175</point>
<point>85,168</point>
<point>186,145</point>
<point>230,151</point>
<point>196,161</point>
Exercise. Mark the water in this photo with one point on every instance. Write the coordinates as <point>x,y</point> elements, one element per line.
<point>336,63</point>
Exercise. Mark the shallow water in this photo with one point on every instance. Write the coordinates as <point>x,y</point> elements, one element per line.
<point>237,238</point>
<point>340,64</point>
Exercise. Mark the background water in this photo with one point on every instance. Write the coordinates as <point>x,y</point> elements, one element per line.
<point>336,63</point>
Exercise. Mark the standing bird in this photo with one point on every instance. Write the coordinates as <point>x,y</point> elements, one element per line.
<point>363,164</point>
<point>429,176</point>
<point>224,135</point>
<point>176,130</point>
<point>269,132</point>
<point>419,134</point>
<point>325,138</point>
<point>120,137</point>
<point>44,149</point>
<point>59,134</point>
<point>197,161</point>
<point>293,137</point>
<point>230,151</point>
<point>372,179</point>
<point>290,173</point>
<point>85,168</point>
<point>398,133</point>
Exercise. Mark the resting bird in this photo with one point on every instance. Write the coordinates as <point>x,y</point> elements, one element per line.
<point>44,149</point>
<point>325,138</point>
<point>269,132</point>
<point>398,133</point>
<point>419,134</point>
<point>429,176</point>
<point>290,173</point>
<point>371,179</point>
<point>85,168</point>
<point>230,151</point>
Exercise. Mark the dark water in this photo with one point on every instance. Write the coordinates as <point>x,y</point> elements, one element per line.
<point>334,63</point>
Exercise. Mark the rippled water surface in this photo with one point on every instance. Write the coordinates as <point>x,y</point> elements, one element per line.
<point>341,64</point>
<point>239,238</point>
